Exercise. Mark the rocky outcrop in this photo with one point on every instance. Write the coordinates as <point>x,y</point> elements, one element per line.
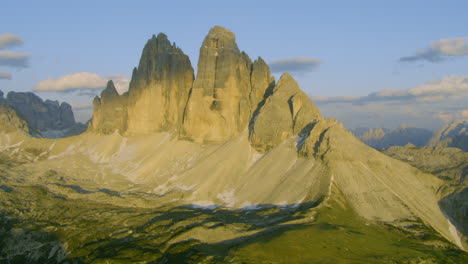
<point>110,111</point>
<point>163,95</point>
<point>223,99</point>
<point>454,135</point>
<point>285,113</point>
<point>159,88</point>
<point>44,118</point>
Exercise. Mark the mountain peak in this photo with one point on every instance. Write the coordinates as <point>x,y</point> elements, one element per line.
<point>221,32</point>
<point>287,112</point>
<point>110,90</point>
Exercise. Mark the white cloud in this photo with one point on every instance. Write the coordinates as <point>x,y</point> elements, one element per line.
<point>428,105</point>
<point>14,59</point>
<point>451,47</point>
<point>436,90</point>
<point>335,99</point>
<point>121,82</point>
<point>440,50</point>
<point>77,107</point>
<point>5,76</point>
<point>298,65</point>
<point>82,81</point>
<point>10,40</point>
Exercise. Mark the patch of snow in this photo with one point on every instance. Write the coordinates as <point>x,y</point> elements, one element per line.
<point>161,189</point>
<point>255,156</point>
<point>204,205</point>
<point>14,145</point>
<point>454,232</point>
<point>228,198</point>
<point>51,147</point>
<point>186,187</point>
<point>65,153</point>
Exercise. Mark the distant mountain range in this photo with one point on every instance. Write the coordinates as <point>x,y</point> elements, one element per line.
<point>48,119</point>
<point>454,134</point>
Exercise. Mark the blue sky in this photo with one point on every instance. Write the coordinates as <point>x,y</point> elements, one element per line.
<point>358,43</point>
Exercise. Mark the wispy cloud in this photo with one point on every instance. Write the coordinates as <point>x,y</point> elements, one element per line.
<point>14,59</point>
<point>436,90</point>
<point>10,40</point>
<point>78,107</point>
<point>5,76</point>
<point>440,50</point>
<point>294,65</point>
<point>428,105</point>
<point>85,83</point>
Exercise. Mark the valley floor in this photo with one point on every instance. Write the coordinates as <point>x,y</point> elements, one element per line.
<point>50,220</point>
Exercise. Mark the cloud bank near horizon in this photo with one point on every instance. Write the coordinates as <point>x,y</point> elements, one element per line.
<point>429,105</point>
<point>84,83</point>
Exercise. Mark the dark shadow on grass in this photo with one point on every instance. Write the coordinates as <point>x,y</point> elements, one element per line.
<point>19,244</point>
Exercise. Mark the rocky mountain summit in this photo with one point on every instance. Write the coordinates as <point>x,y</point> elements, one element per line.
<point>47,118</point>
<point>454,135</point>
<point>230,94</point>
<point>225,167</point>
<point>381,138</point>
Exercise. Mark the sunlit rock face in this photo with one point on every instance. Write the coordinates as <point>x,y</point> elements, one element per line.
<point>110,111</point>
<point>226,91</point>
<point>454,135</point>
<point>285,113</point>
<point>159,88</point>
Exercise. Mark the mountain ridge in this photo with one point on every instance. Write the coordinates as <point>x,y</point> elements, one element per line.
<point>48,118</point>
<point>236,146</point>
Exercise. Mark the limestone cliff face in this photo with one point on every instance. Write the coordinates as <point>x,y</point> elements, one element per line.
<point>454,134</point>
<point>285,113</point>
<point>159,88</point>
<point>260,80</point>
<point>44,118</point>
<point>222,99</point>
<point>110,111</point>
<point>163,95</point>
